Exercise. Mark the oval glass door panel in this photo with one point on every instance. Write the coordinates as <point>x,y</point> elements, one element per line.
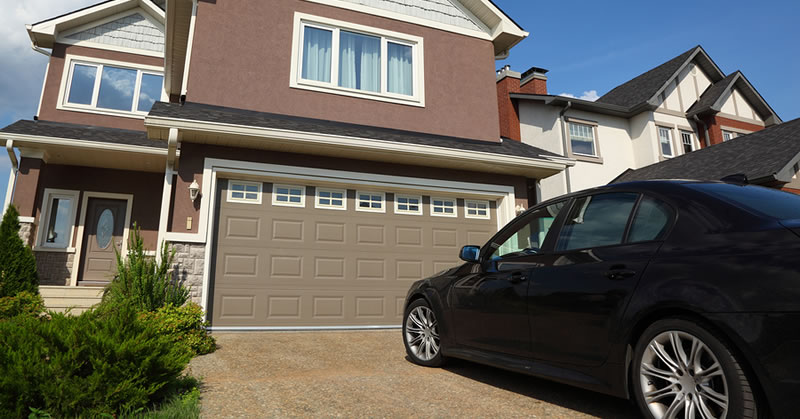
<point>105,228</point>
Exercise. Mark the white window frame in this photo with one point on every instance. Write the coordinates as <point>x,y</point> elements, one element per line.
<point>443,214</point>
<point>691,140</point>
<point>592,129</point>
<point>382,209</point>
<point>301,20</point>
<point>731,134</point>
<point>397,209</point>
<point>671,146</point>
<point>66,84</point>
<point>244,200</point>
<point>488,215</point>
<point>275,202</point>
<point>317,197</point>
<point>44,220</point>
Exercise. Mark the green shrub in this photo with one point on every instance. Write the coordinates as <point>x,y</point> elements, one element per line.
<point>17,264</point>
<point>143,281</point>
<point>184,325</point>
<point>88,365</point>
<point>24,303</point>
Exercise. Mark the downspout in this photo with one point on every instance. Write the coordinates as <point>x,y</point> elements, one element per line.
<point>705,129</point>
<point>564,141</point>
<point>166,193</point>
<point>188,58</point>
<point>39,50</point>
<point>12,177</point>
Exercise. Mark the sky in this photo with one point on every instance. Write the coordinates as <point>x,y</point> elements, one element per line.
<point>589,46</point>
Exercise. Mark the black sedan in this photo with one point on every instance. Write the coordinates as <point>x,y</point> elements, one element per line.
<point>681,295</point>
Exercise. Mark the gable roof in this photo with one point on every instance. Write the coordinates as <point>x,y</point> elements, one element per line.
<point>714,97</point>
<point>646,87</point>
<point>764,156</point>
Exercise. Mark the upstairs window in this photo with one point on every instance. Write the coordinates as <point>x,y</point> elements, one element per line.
<point>687,139</point>
<point>665,141</point>
<point>110,87</point>
<point>581,137</point>
<point>728,135</point>
<point>355,60</point>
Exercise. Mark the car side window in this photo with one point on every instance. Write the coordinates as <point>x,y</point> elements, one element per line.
<point>651,222</point>
<point>597,220</point>
<point>531,234</point>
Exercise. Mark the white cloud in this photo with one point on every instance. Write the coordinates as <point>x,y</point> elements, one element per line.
<point>590,95</point>
<point>21,67</point>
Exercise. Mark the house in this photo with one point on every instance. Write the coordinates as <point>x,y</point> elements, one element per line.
<point>307,160</point>
<point>681,106</point>
<point>773,160</point>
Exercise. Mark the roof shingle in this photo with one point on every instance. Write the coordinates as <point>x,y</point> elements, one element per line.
<point>82,132</point>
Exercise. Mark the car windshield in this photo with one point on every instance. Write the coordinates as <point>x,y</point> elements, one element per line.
<point>770,202</point>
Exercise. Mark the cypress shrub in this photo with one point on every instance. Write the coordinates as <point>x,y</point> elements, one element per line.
<point>17,264</point>
<point>184,325</point>
<point>23,303</point>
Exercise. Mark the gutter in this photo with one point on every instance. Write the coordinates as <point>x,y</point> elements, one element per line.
<point>42,51</point>
<point>12,177</point>
<point>564,141</point>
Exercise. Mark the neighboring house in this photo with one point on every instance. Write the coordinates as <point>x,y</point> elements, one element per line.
<point>773,160</point>
<point>680,106</point>
<point>308,160</point>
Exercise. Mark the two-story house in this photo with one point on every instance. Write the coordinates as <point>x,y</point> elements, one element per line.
<point>680,106</point>
<point>308,159</point>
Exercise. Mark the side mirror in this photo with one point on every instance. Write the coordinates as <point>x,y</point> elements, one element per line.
<point>470,253</point>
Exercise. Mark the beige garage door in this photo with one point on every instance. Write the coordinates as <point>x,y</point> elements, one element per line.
<point>299,255</point>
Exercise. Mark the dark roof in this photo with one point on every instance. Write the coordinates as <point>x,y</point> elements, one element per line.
<point>712,94</point>
<point>759,156</point>
<point>82,132</point>
<point>640,89</point>
<point>211,113</point>
<point>74,11</point>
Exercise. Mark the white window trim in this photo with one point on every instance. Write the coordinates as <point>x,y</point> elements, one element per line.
<point>488,215</point>
<point>691,136</point>
<point>671,146</point>
<point>66,79</point>
<point>418,64</point>
<point>44,219</point>
<point>317,204</point>
<point>595,141</point>
<point>275,202</point>
<point>455,207</point>
<point>230,197</point>
<point>382,209</point>
<point>397,210</point>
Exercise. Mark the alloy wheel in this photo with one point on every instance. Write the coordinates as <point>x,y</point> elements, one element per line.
<point>682,378</point>
<point>422,333</point>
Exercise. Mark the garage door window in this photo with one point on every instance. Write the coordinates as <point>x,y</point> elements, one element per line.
<point>477,209</point>
<point>248,192</point>
<point>443,207</point>
<point>289,195</point>
<point>371,201</point>
<point>408,204</point>
<point>331,199</point>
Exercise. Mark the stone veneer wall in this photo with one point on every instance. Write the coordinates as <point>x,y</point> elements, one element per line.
<point>188,267</point>
<point>55,268</point>
<point>25,232</point>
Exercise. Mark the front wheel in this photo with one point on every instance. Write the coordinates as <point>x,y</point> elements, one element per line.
<point>681,370</point>
<point>421,334</point>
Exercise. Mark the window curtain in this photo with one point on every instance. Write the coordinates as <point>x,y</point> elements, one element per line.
<point>400,73</point>
<point>317,54</point>
<point>359,61</point>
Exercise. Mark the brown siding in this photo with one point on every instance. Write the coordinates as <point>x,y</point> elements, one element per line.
<point>193,156</point>
<point>715,123</point>
<point>55,72</point>
<point>241,57</point>
<point>26,186</point>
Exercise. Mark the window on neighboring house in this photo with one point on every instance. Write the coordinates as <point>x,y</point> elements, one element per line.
<point>687,139</point>
<point>331,198</point>
<point>665,140</point>
<point>728,135</point>
<point>57,220</point>
<point>408,204</point>
<point>581,138</point>
<point>356,60</point>
<point>240,191</point>
<point>443,207</point>
<point>112,88</point>
<point>370,201</point>
<point>288,195</point>
<point>476,209</point>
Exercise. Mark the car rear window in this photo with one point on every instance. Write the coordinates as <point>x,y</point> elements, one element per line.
<point>770,202</point>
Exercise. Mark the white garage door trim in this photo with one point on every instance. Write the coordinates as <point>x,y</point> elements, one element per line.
<point>502,194</point>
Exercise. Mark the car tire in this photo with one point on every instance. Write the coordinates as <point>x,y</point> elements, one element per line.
<point>421,334</point>
<point>680,368</point>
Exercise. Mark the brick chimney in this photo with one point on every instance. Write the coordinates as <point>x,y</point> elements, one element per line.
<point>532,82</point>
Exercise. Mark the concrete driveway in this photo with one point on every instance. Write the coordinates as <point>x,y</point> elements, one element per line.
<point>366,374</point>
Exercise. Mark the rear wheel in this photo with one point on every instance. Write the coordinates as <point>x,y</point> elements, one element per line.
<point>421,334</point>
<point>681,370</point>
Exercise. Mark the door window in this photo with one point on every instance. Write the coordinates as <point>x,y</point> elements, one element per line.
<point>651,222</point>
<point>597,220</point>
<point>530,234</point>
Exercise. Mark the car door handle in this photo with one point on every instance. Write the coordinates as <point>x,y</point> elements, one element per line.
<point>517,277</point>
<point>616,274</point>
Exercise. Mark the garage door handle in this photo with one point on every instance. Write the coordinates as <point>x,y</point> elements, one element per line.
<point>517,277</point>
<point>619,274</point>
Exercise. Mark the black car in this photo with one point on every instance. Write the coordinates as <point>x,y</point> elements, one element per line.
<point>681,295</point>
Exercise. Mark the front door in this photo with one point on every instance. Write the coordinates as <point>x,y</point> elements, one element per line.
<point>105,224</point>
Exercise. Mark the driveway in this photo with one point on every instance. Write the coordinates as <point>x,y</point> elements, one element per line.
<point>366,374</point>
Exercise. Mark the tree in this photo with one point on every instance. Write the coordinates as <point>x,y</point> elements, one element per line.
<point>17,264</point>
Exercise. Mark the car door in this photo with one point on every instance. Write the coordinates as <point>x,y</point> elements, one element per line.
<point>579,291</point>
<point>489,305</point>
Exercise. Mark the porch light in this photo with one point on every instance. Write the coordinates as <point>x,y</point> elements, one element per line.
<point>194,190</point>
<point>520,209</point>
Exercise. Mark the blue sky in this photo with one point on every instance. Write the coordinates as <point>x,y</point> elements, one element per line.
<point>586,45</point>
